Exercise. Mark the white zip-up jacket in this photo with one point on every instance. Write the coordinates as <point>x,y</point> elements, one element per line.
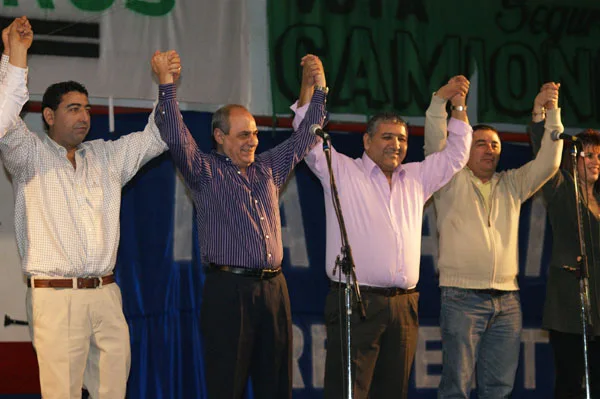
<point>478,246</point>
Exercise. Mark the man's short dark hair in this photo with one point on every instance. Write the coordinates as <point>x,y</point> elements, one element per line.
<point>384,117</point>
<point>481,126</point>
<point>54,94</point>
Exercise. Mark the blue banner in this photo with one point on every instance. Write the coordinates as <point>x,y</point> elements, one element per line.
<point>161,276</point>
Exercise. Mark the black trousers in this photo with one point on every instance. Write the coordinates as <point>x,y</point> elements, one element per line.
<point>382,347</point>
<point>569,367</point>
<point>247,330</point>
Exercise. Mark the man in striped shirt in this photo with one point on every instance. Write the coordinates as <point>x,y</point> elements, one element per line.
<point>67,208</point>
<point>246,319</point>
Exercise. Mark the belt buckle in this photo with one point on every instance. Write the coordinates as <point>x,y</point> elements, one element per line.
<point>96,282</point>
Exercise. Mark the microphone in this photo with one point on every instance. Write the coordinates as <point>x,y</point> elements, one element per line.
<point>318,131</point>
<point>562,136</point>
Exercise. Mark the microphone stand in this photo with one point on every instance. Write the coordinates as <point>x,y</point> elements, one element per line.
<point>582,273</point>
<point>346,266</point>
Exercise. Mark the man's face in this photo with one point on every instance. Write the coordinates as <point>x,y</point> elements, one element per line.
<point>387,147</point>
<point>241,142</point>
<point>588,166</point>
<point>70,123</point>
<point>485,153</point>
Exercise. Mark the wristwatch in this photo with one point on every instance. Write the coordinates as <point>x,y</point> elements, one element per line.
<point>458,108</point>
<point>324,89</point>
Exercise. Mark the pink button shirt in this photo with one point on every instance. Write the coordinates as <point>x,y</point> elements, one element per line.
<point>383,223</point>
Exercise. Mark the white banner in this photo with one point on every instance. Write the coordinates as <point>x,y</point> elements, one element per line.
<point>107,46</point>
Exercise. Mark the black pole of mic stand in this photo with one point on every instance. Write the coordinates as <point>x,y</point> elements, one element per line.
<point>346,266</point>
<point>582,272</point>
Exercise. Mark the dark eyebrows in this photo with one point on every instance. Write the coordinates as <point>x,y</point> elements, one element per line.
<point>479,141</point>
<point>394,134</point>
<point>87,106</point>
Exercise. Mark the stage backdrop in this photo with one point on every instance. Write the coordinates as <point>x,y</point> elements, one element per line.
<point>392,54</point>
<point>161,279</point>
<point>107,45</point>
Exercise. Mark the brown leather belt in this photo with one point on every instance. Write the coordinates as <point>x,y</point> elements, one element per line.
<point>262,274</point>
<point>79,282</point>
<point>384,291</point>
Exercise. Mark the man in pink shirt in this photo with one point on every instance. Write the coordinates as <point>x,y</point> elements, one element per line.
<point>382,201</point>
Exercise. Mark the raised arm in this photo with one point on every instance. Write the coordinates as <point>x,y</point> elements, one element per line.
<point>186,154</point>
<point>5,52</point>
<point>531,176</point>
<point>17,143</point>
<point>13,92</point>
<point>128,154</point>
<point>436,116</point>
<point>286,155</point>
<point>545,101</point>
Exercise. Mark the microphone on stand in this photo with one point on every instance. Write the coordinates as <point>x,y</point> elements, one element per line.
<point>317,130</point>
<point>8,321</point>
<point>556,135</point>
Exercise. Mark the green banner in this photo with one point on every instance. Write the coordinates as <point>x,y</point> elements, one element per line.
<point>392,54</point>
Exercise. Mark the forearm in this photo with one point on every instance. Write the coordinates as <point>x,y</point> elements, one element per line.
<point>13,95</point>
<point>547,160</point>
<point>176,135</point>
<point>536,132</point>
<point>439,167</point>
<point>435,125</point>
<point>18,56</point>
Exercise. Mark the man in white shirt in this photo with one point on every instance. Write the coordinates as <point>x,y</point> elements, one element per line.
<point>67,205</point>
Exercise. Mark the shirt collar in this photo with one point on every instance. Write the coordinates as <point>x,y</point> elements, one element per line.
<point>473,177</point>
<point>369,167</point>
<point>62,151</point>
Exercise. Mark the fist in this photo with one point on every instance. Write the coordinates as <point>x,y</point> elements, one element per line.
<point>19,35</point>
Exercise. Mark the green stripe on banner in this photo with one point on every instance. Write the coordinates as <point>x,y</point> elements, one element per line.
<point>392,54</point>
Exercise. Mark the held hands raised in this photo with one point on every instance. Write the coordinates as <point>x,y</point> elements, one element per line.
<point>546,99</point>
<point>166,66</point>
<point>455,90</point>
<point>313,73</point>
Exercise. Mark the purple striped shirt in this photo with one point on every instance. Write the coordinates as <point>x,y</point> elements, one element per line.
<point>237,217</point>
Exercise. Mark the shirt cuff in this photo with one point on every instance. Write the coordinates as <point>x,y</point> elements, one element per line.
<point>167,92</point>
